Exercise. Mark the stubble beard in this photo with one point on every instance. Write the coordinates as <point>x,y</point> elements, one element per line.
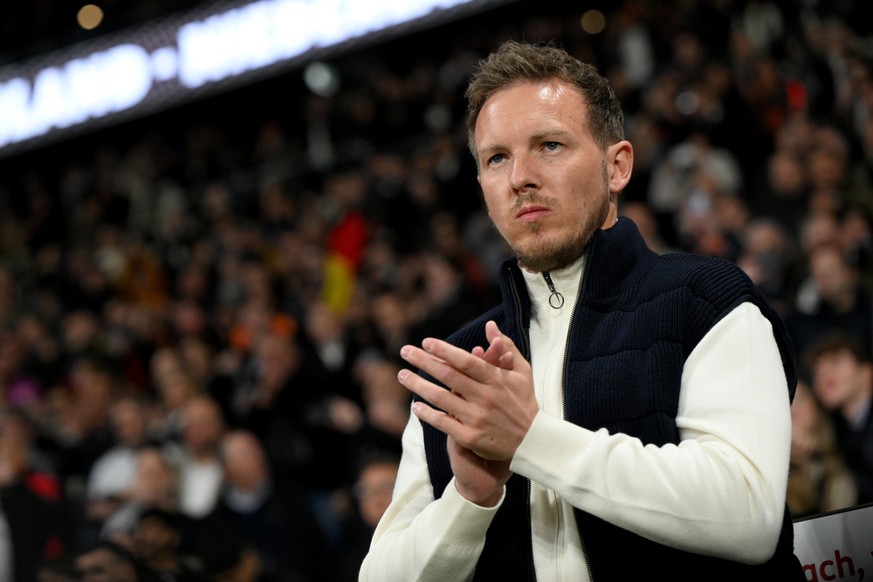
<point>550,255</point>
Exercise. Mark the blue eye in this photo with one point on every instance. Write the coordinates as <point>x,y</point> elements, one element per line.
<point>551,145</point>
<point>497,158</point>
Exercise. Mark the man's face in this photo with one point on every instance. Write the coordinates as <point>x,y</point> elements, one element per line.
<point>547,185</point>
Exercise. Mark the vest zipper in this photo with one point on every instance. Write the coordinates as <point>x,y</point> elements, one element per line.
<point>523,332</point>
<point>579,295</point>
<point>556,300</point>
<point>525,350</point>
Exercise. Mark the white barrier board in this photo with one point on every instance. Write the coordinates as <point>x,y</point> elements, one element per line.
<point>836,546</point>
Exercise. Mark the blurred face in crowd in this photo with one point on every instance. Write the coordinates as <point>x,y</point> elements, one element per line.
<point>805,419</point>
<point>156,482</point>
<point>786,173</point>
<point>841,382</point>
<point>128,422</point>
<point>153,536</point>
<point>375,486</point>
<point>203,425</point>
<point>245,464</point>
<point>834,277</point>
<point>547,185</point>
<point>102,565</point>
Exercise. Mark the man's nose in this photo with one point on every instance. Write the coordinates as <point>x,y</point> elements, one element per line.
<point>524,175</point>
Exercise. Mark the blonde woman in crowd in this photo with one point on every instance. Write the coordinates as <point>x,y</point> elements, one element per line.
<point>818,478</point>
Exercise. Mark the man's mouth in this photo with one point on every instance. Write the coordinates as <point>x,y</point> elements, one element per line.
<point>529,213</point>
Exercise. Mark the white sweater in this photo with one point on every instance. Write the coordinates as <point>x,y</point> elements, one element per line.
<point>720,492</point>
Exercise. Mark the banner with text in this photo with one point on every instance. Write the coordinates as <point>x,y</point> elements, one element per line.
<point>836,546</point>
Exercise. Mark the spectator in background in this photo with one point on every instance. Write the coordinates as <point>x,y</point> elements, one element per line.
<point>841,373</point>
<point>41,365</point>
<point>197,457</point>
<point>856,222</point>
<point>173,387</point>
<point>827,166</point>
<point>224,554</point>
<point>57,570</point>
<point>817,230</point>
<point>331,408</point>
<point>291,413</point>
<point>113,475</point>
<point>372,494</point>
<point>818,478</point>
<point>107,561</point>
<point>156,540</point>
<point>830,299</point>
<point>33,507</point>
<point>442,299</point>
<point>251,396</point>
<point>155,486</point>
<point>645,220</point>
<point>390,317</point>
<point>686,186</point>
<point>769,257</point>
<point>386,404</point>
<point>710,184</point>
<point>447,240</point>
<point>783,195</point>
<point>329,351</point>
<point>272,518</point>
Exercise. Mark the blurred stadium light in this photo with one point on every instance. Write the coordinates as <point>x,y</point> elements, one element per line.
<point>207,50</point>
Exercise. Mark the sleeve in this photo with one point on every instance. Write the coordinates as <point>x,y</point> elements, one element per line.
<point>721,490</point>
<point>419,538</point>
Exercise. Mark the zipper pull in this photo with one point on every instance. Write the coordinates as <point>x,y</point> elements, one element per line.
<point>556,300</point>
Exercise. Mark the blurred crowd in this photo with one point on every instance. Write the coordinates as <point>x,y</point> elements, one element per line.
<point>201,312</point>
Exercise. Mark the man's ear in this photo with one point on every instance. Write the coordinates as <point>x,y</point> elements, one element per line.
<point>620,164</point>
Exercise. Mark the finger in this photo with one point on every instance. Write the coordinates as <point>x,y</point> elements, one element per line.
<point>502,342</point>
<point>451,365</point>
<point>436,418</point>
<point>445,400</point>
<point>500,349</point>
<point>493,333</point>
<point>492,355</point>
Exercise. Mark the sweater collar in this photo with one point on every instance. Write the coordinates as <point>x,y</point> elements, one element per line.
<point>611,257</point>
<point>611,270</point>
<point>563,282</point>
